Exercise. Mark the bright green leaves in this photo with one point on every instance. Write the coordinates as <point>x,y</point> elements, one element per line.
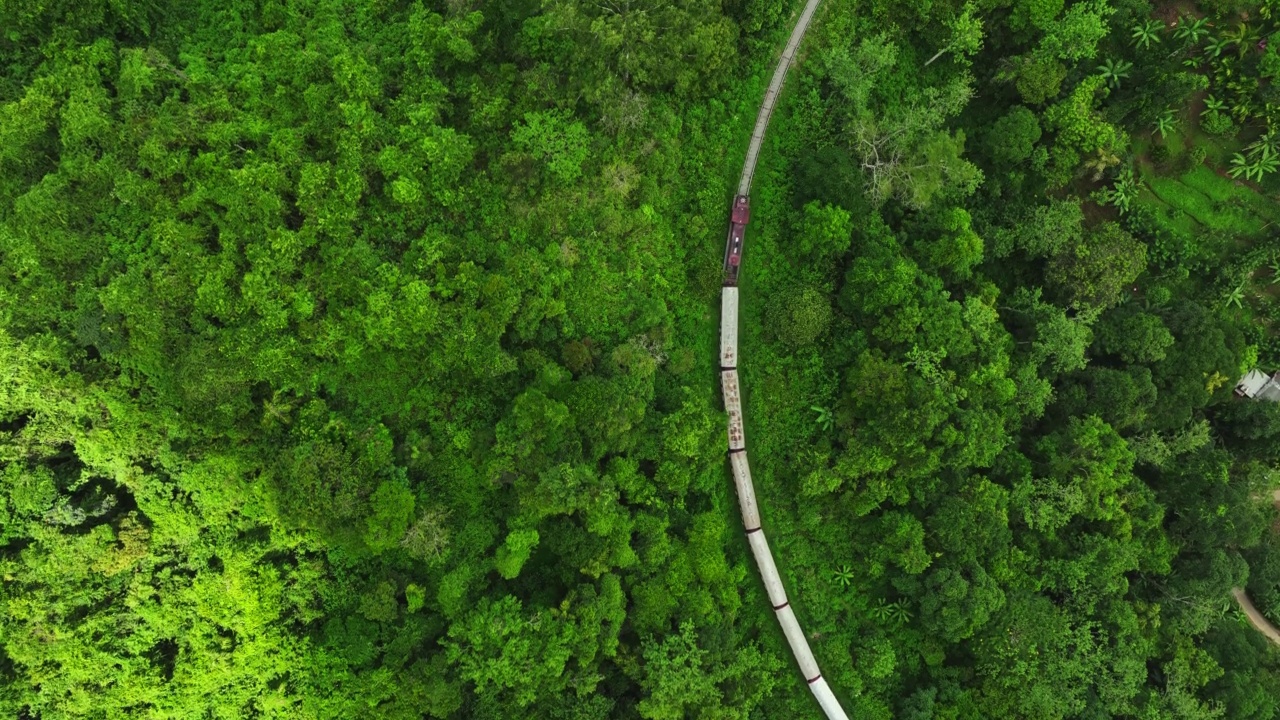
<point>1059,341</point>
<point>966,33</point>
<point>676,678</point>
<point>1039,79</point>
<point>22,124</point>
<point>682,680</point>
<point>537,424</point>
<point>1075,35</point>
<point>515,551</point>
<point>957,603</point>
<point>936,375</point>
<point>25,495</point>
<point>551,137</point>
<point>644,45</point>
<point>907,153</point>
<point>1081,129</point>
<point>901,543</point>
<point>510,653</point>
<point>1038,14</point>
<point>379,604</point>
<point>392,509</point>
<point>415,597</point>
<point>825,232</point>
<point>802,317</point>
<point>956,249</point>
<point>427,158</point>
<point>691,431</point>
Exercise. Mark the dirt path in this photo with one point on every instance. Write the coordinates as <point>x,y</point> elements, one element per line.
<point>1256,618</point>
<point>731,390</point>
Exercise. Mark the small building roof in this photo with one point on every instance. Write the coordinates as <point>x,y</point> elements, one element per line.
<point>1259,385</point>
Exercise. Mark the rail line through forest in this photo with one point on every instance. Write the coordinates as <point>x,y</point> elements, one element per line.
<point>739,216</point>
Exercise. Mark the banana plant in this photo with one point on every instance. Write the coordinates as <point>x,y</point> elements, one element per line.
<point>1236,296</point>
<point>1267,145</point>
<point>1146,34</point>
<point>823,420</point>
<point>1254,168</point>
<point>1113,71</point>
<point>1165,124</point>
<point>1215,47</point>
<point>1122,194</point>
<point>1213,104</point>
<point>1191,30</point>
<point>1243,36</point>
<point>1243,109</point>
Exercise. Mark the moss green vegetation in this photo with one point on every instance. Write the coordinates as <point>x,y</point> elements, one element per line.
<point>1190,196</point>
<point>357,359</point>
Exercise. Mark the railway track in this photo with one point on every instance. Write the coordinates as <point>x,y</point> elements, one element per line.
<point>729,384</point>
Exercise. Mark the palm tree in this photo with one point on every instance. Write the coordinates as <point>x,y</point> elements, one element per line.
<point>881,610</point>
<point>1147,33</point>
<point>1191,30</point>
<point>1113,71</point>
<point>1165,123</point>
<point>843,575</point>
<point>898,613</point>
<point>1099,164</point>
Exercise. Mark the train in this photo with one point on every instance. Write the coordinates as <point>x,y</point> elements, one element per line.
<point>731,390</point>
<point>739,214</point>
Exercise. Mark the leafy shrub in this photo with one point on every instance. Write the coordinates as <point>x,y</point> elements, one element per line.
<point>1216,123</point>
<point>1160,153</point>
<point>1195,157</point>
<point>802,317</point>
<point>1013,136</point>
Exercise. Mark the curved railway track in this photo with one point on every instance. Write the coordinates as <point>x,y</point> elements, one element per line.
<point>732,396</point>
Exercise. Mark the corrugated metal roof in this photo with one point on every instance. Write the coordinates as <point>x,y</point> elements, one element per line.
<point>1270,390</point>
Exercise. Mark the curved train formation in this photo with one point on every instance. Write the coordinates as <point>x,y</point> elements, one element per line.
<point>739,216</point>
<point>742,469</point>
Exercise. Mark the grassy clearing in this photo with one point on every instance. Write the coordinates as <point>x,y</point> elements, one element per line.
<point>1171,218</point>
<point>1226,190</point>
<point>1203,199</point>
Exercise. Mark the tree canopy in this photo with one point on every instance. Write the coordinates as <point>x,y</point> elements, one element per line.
<point>356,359</point>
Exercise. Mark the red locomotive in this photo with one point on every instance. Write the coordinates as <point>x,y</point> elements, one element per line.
<point>733,246</point>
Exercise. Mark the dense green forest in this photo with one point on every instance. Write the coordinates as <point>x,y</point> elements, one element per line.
<point>358,358</point>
